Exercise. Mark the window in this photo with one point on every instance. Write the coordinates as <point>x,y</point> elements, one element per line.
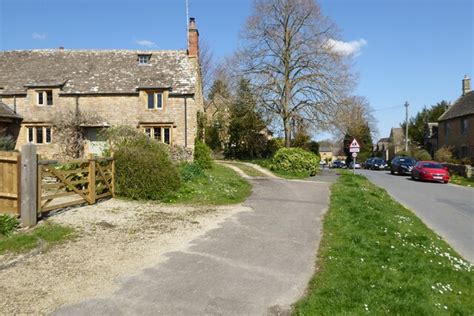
<point>447,127</point>
<point>45,95</point>
<point>464,126</point>
<point>160,133</point>
<point>144,59</point>
<point>39,135</point>
<point>155,100</point>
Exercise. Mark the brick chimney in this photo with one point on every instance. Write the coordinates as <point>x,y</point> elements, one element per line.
<point>466,85</point>
<point>193,39</point>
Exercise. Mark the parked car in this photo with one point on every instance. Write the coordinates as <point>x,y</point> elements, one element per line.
<point>376,164</point>
<point>351,165</point>
<point>402,165</point>
<point>338,164</point>
<point>430,171</point>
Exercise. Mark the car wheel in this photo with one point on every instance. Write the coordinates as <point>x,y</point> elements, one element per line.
<point>413,177</point>
<point>391,172</point>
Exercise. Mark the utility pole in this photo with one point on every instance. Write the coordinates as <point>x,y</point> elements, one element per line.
<point>406,126</point>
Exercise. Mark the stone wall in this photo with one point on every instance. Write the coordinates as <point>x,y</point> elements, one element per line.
<point>462,170</point>
<point>453,137</point>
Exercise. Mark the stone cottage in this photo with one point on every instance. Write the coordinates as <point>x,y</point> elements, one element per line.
<point>456,125</point>
<point>157,92</point>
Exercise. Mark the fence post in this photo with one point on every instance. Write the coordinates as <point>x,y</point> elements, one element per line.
<point>29,191</point>
<point>92,193</point>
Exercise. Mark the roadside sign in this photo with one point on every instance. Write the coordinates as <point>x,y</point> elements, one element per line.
<point>354,155</point>
<point>354,144</point>
<point>354,149</point>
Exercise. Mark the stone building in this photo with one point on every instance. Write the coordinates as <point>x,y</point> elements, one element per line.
<point>381,149</point>
<point>456,125</point>
<point>157,92</point>
<point>396,142</point>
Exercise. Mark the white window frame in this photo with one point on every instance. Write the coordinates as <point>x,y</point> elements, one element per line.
<point>156,95</point>
<point>150,132</point>
<point>144,59</point>
<point>44,94</point>
<point>34,134</point>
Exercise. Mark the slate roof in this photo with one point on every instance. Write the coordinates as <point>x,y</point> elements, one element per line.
<point>325,149</point>
<point>7,112</point>
<point>95,71</point>
<point>462,107</point>
<point>396,135</point>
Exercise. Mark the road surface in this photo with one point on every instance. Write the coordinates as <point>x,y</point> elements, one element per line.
<point>256,263</point>
<point>446,208</point>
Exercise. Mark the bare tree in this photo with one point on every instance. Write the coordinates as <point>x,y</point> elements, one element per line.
<point>353,114</point>
<point>288,55</point>
<point>206,62</point>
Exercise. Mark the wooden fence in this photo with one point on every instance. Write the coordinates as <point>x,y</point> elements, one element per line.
<point>31,187</point>
<point>9,182</point>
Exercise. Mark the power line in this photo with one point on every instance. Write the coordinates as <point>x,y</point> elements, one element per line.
<point>389,108</point>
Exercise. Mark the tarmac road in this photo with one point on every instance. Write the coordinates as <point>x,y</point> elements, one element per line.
<point>446,208</point>
<point>256,263</point>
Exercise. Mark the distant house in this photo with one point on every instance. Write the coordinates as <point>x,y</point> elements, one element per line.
<point>157,92</point>
<point>396,142</point>
<point>326,153</point>
<point>381,149</point>
<point>456,125</point>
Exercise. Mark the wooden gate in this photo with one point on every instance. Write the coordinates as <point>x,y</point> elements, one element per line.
<point>9,182</point>
<point>68,183</point>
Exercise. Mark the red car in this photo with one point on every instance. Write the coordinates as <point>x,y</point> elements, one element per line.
<point>430,171</point>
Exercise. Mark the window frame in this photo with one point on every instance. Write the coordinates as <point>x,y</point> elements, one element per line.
<point>156,99</point>
<point>144,59</point>
<point>161,131</point>
<point>464,126</point>
<point>46,134</point>
<point>46,97</point>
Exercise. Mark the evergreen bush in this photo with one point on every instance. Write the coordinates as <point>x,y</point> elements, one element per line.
<point>202,155</point>
<point>295,160</point>
<point>190,171</point>
<point>144,170</point>
<point>7,224</point>
<point>421,154</point>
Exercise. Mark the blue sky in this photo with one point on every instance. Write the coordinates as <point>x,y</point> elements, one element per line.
<point>406,50</point>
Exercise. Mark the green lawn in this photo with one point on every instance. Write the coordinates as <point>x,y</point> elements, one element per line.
<point>49,234</point>
<point>265,163</point>
<point>468,182</point>
<point>377,257</point>
<point>218,186</point>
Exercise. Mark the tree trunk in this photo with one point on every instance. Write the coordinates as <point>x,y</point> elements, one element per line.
<point>286,127</point>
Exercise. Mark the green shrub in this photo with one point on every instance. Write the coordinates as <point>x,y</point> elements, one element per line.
<point>273,145</point>
<point>144,169</point>
<point>7,225</point>
<point>202,155</point>
<point>403,153</point>
<point>295,160</point>
<point>444,154</point>
<point>190,171</point>
<point>421,154</point>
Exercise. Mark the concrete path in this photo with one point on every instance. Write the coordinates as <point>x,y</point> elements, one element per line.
<point>447,209</point>
<point>256,263</point>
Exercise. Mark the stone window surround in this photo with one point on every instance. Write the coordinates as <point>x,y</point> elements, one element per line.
<point>149,130</point>
<point>33,129</point>
<point>144,59</point>
<point>157,95</point>
<point>44,95</point>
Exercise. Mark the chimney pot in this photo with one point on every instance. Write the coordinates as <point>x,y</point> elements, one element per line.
<point>466,85</point>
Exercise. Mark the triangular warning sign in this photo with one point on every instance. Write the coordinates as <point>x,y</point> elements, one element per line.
<point>354,144</point>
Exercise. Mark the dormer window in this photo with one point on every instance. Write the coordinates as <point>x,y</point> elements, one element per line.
<point>144,59</point>
<point>155,100</point>
<point>45,97</point>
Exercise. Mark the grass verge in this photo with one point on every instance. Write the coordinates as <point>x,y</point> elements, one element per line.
<point>468,182</point>
<point>51,234</point>
<point>376,256</point>
<point>266,163</point>
<point>218,186</point>
<point>252,172</point>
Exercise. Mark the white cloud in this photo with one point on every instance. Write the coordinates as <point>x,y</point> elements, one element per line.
<point>347,48</point>
<point>39,36</point>
<point>146,43</point>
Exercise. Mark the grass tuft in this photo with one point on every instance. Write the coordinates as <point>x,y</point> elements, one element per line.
<point>219,186</point>
<point>378,257</point>
<point>51,234</point>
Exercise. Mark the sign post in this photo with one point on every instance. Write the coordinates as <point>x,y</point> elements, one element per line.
<point>354,148</point>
